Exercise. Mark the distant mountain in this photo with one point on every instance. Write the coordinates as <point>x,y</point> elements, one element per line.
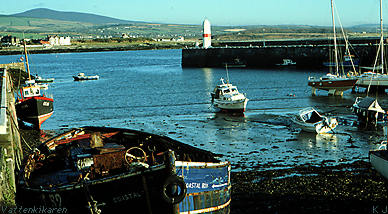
<point>70,16</point>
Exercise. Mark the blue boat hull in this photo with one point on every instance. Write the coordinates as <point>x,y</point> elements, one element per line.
<point>208,187</point>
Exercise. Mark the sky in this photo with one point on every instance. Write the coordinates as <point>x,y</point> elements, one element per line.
<point>218,12</point>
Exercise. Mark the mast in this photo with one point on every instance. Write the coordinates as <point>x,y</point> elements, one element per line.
<point>25,55</point>
<point>335,39</point>
<point>381,36</point>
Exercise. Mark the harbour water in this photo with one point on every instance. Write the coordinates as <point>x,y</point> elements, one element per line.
<point>149,90</point>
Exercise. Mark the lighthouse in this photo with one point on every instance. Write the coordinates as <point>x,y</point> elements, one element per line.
<point>207,36</point>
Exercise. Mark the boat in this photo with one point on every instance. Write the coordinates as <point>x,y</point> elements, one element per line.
<point>236,63</point>
<point>335,83</point>
<point>108,170</point>
<point>368,110</point>
<point>310,120</point>
<point>81,76</point>
<point>32,105</point>
<point>227,98</point>
<point>373,80</point>
<point>379,159</point>
<point>347,61</point>
<point>39,79</point>
<point>287,62</point>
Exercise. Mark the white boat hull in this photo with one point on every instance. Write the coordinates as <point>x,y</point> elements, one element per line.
<point>235,105</point>
<point>378,162</point>
<point>320,125</point>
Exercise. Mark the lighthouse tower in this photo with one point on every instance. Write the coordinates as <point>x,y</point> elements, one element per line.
<point>207,36</point>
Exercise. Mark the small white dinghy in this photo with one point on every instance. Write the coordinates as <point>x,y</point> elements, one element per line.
<point>310,120</point>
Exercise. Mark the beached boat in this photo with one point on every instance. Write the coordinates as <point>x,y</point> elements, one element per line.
<point>334,84</point>
<point>368,110</point>
<point>82,76</point>
<point>377,78</point>
<point>33,106</point>
<point>108,170</point>
<point>226,97</point>
<point>379,159</point>
<point>310,120</point>
<point>338,82</point>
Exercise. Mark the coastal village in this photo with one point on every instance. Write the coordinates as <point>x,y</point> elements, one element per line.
<point>176,167</point>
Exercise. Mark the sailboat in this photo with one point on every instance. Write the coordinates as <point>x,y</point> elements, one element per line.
<point>367,109</point>
<point>376,79</point>
<point>335,84</point>
<point>32,106</point>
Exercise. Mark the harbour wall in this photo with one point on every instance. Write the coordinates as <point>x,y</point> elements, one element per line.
<point>10,141</point>
<point>269,54</point>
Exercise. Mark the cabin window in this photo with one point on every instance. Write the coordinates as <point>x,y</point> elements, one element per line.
<point>226,91</point>
<point>26,92</point>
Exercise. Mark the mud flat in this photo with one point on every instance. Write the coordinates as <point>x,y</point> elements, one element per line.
<point>344,188</point>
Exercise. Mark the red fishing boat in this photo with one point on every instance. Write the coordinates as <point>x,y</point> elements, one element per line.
<point>32,105</point>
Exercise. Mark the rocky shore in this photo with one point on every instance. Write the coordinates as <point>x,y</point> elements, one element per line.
<point>344,188</point>
<point>95,48</point>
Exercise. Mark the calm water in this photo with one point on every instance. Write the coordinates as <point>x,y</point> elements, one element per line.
<point>150,91</point>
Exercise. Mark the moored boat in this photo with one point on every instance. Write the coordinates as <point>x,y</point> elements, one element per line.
<point>226,97</point>
<point>338,82</point>
<point>39,79</point>
<point>309,120</point>
<point>334,84</point>
<point>33,106</point>
<point>107,170</point>
<point>82,76</point>
<point>379,159</point>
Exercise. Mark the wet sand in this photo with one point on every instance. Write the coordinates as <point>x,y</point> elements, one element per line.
<point>345,188</point>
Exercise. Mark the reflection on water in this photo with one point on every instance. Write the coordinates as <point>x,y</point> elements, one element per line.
<point>327,141</point>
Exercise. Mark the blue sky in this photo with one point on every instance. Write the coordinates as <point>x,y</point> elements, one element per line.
<point>219,12</point>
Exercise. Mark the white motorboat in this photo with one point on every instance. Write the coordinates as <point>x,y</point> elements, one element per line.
<point>226,97</point>
<point>310,120</point>
<point>82,76</point>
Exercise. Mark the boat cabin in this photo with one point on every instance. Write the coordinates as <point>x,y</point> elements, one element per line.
<point>223,90</point>
<point>30,91</point>
<point>368,110</point>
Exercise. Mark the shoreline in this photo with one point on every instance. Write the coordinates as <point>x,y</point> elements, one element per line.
<point>95,48</point>
<point>354,187</point>
<point>344,188</point>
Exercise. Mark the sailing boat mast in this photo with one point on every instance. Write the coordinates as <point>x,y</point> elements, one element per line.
<point>335,39</point>
<point>381,36</point>
<point>25,55</point>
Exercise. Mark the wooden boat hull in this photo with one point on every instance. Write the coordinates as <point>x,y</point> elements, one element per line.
<point>208,182</point>
<point>341,85</point>
<point>130,191</point>
<point>35,110</point>
<point>379,160</point>
<point>48,180</point>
